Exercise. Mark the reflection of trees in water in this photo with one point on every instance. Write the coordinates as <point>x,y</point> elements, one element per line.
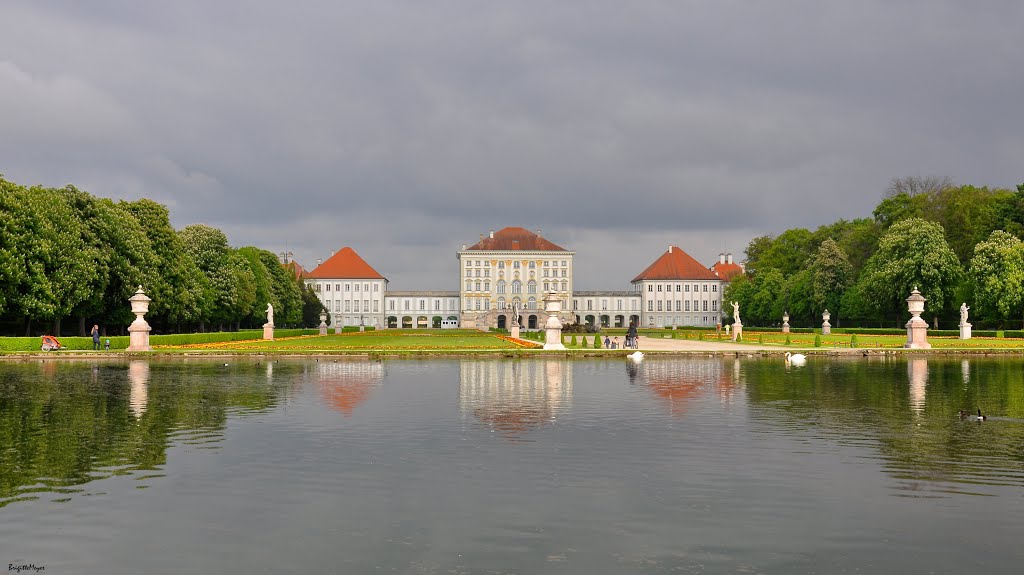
<point>515,396</point>
<point>345,384</point>
<point>907,408</point>
<point>65,423</point>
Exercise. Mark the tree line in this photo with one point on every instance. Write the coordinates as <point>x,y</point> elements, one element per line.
<point>956,243</point>
<point>66,255</point>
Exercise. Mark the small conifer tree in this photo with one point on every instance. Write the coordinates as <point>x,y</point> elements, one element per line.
<point>788,341</point>
<point>817,340</point>
<point>597,342</point>
<point>572,341</point>
<point>853,340</point>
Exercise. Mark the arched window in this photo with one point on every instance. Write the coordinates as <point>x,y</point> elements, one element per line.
<point>501,286</point>
<point>517,303</point>
<point>532,303</point>
<point>531,287</point>
<point>517,287</point>
<point>501,303</point>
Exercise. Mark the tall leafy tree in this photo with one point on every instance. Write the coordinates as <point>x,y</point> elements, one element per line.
<point>912,253</point>
<point>286,287</point>
<point>175,283</point>
<point>831,274</point>
<point>997,273</point>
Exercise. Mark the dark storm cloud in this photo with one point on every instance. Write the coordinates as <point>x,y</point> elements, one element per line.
<point>405,129</point>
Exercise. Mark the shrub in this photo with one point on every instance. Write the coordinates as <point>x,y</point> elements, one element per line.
<point>760,338</point>
<point>788,341</point>
<point>597,342</point>
<point>572,342</point>
<point>817,340</point>
<point>853,340</point>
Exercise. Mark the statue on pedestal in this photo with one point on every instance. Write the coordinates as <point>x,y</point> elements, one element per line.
<point>963,313</point>
<point>736,312</point>
<point>270,314</point>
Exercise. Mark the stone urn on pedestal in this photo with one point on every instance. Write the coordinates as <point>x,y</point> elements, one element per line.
<point>826,327</point>
<point>917,328</point>
<point>323,323</point>
<point>553,327</point>
<point>138,331</point>
<point>785,322</point>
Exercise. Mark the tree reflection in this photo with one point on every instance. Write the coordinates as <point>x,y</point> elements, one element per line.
<point>65,423</point>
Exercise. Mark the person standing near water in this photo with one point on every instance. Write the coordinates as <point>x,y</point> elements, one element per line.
<point>95,337</point>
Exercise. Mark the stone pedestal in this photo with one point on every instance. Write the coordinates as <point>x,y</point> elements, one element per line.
<point>362,328</point>
<point>553,327</point>
<point>737,331</point>
<point>514,330</point>
<point>138,331</point>
<point>785,328</point>
<point>337,330</point>
<point>323,330</point>
<point>965,331</point>
<point>826,328</point>
<point>268,331</point>
<point>138,336</point>
<point>785,322</point>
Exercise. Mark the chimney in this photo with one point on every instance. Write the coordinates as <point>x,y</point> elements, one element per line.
<point>492,234</point>
<point>728,258</point>
<point>670,248</point>
<point>463,247</point>
<point>721,258</point>
<point>318,262</point>
<point>481,237</point>
<point>538,232</point>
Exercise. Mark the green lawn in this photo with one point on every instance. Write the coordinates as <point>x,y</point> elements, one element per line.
<point>376,341</point>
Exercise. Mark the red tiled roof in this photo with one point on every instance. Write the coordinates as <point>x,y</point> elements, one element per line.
<point>516,239</point>
<point>726,271</point>
<point>346,264</point>
<point>675,264</point>
<point>295,268</point>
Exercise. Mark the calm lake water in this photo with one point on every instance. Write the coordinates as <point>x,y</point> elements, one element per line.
<point>704,465</point>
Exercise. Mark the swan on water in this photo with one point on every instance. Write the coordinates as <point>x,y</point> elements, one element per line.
<point>636,355</point>
<point>795,358</point>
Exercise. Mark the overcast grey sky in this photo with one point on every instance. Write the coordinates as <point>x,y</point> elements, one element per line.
<point>407,128</point>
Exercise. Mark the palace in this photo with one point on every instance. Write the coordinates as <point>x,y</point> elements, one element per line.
<point>514,268</point>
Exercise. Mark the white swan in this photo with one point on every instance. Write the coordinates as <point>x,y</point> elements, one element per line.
<point>795,358</point>
<point>636,355</point>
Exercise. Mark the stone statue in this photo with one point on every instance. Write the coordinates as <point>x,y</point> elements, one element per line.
<point>963,313</point>
<point>270,314</point>
<point>736,312</point>
<point>515,313</point>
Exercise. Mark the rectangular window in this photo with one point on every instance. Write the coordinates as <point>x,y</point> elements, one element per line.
<point>659,305</point>
<point>650,306</point>
<point>366,305</point>
<point>337,306</point>
<point>604,305</point>
<point>687,305</point>
<point>619,307</point>
<point>590,305</point>
<point>366,287</point>
<point>437,305</point>
<point>477,303</point>
<point>423,304</point>
<point>705,290</point>
<point>687,288</point>
<point>650,287</point>
<point>357,287</point>
<point>328,287</point>
<point>714,288</point>
<point>714,305</point>
<point>563,273</point>
<point>375,303</point>
<point>405,304</point>
<point>375,286</point>
<point>391,305</point>
<point>705,305</point>
<point>659,287</point>
<point>348,305</point>
<point>679,305</point>
<point>679,287</point>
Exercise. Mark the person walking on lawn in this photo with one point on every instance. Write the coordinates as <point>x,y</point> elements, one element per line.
<point>95,338</point>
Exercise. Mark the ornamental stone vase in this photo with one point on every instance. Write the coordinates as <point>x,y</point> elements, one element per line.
<point>553,327</point>
<point>917,328</point>
<point>138,331</point>
<point>826,327</point>
<point>323,323</point>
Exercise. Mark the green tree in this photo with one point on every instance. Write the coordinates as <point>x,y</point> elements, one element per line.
<point>175,283</point>
<point>286,287</point>
<point>311,307</point>
<point>912,253</point>
<point>997,273</point>
<point>263,291</point>
<point>767,304</point>
<point>831,275</point>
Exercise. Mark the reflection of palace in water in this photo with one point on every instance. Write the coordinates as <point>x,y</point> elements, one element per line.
<point>344,385</point>
<point>513,396</point>
<point>138,376</point>
<point>677,382</point>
